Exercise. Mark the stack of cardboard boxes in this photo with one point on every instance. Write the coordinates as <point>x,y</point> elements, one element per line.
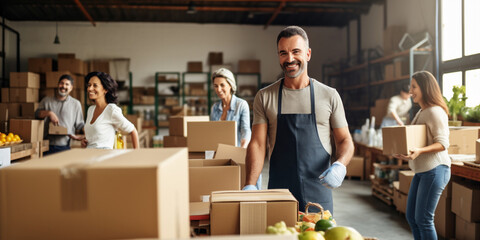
<point>178,130</point>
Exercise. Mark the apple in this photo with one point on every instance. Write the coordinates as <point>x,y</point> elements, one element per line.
<point>342,233</point>
<point>310,235</point>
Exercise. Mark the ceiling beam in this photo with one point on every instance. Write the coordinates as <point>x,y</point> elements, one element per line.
<point>79,4</point>
<point>275,14</point>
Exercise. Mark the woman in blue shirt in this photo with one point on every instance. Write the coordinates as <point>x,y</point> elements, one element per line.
<point>230,107</point>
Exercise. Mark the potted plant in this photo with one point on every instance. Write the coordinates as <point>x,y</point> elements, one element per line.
<point>456,104</point>
<point>471,116</point>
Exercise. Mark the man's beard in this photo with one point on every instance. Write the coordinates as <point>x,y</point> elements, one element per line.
<point>301,68</point>
<point>62,94</point>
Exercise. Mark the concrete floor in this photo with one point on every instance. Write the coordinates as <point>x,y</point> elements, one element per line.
<point>355,206</point>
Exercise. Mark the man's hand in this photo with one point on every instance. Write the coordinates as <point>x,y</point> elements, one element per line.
<point>334,175</point>
<point>75,137</point>
<point>250,187</point>
<point>84,143</point>
<point>53,118</point>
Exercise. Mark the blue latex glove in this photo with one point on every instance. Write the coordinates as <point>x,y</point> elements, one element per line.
<point>250,187</point>
<point>333,176</point>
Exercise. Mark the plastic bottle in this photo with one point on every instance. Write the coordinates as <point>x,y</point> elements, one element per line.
<point>371,133</point>
<point>365,132</point>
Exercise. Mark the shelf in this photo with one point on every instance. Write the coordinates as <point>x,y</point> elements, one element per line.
<point>356,87</point>
<point>166,96</point>
<point>176,81</point>
<point>356,67</point>
<point>390,80</point>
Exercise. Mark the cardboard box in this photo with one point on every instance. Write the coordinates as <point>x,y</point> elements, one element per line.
<point>24,80</point>
<point>50,92</point>
<point>5,95</point>
<point>108,197</point>
<point>250,237</point>
<point>399,139</point>
<point>444,218</point>
<point>391,38</point>
<point>178,124</point>
<point>205,136</point>
<point>13,109</point>
<point>465,230</point>
<point>174,141</point>
<point>136,120</point>
<point>28,109</point>
<point>40,65</point>
<point>356,167</point>
<point>465,199</point>
<point>477,151</point>
<point>66,55</point>
<point>447,192</point>
<point>402,68</point>
<point>401,200</point>
<point>52,78</point>
<point>463,140</point>
<point>215,58</point>
<point>171,101</point>
<point>210,175</point>
<point>249,66</point>
<point>29,130</point>
<point>405,178</point>
<point>194,67</point>
<point>379,111</point>
<point>196,155</point>
<point>99,66</point>
<point>250,212</point>
<point>19,95</point>
<point>389,72</point>
<point>79,82</point>
<point>237,154</point>
<point>57,130</point>
<point>71,64</point>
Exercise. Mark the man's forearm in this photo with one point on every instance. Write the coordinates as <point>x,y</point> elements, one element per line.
<point>43,114</point>
<point>254,162</point>
<point>345,149</point>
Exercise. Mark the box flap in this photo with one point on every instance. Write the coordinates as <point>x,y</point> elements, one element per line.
<point>253,217</point>
<point>199,208</point>
<point>252,196</point>
<point>237,154</point>
<point>211,162</point>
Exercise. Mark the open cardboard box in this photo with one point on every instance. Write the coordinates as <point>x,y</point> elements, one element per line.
<point>97,194</point>
<point>237,154</point>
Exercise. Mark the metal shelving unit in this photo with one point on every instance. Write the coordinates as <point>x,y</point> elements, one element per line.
<point>167,80</point>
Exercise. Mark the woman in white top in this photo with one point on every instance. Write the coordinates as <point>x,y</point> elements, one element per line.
<point>398,108</point>
<point>105,117</point>
<point>431,163</point>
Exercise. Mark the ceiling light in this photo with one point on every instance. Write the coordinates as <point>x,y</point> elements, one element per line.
<point>57,40</point>
<point>191,8</point>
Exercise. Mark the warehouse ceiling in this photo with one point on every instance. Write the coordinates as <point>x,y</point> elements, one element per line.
<point>331,13</point>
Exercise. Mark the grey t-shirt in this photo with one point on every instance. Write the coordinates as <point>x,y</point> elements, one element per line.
<point>329,110</point>
<point>69,113</point>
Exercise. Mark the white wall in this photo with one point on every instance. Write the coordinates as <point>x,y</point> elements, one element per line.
<point>154,47</point>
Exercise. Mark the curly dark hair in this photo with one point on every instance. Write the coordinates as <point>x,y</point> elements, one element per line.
<point>108,84</point>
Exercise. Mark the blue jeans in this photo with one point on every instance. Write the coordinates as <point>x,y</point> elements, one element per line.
<point>423,196</point>
<point>55,149</point>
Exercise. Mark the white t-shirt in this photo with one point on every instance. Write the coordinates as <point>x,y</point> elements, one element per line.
<point>101,133</point>
<point>400,106</point>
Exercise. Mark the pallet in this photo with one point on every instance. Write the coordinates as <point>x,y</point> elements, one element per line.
<point>381,194</point>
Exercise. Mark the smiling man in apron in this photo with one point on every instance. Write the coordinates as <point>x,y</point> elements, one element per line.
<point>294,118</point>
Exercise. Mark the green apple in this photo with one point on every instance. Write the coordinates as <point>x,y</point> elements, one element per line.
<point>310,235</point>
<point>342,233</point>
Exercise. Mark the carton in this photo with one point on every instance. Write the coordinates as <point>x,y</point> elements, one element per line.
<point>356,167</point>
<point>401,202</point>
<point>389,71</point>
<point>465,230</point>
<point>250,212</point>
<point>66,55</point>
<point>400,139</point>
<point>465,199</point>
<point>29,130</point>
<point>463,140</point>
<point>24,80</point>
<point>379,111</point>
<point>174,141</point>
<point>215,58</point>
<point>194,67</point>
<point>19,95</point>
<point>5,95</point>
<point>178,124</point>
<point>9,110</point>
<point>40,65</point>
<point>71,64</point>
<point>237,154</point>
<point>206,176</point>
<point>401,68</point>
<point>57,130</point>
<point>136,120</point>
<point>249,66</point>
<point>205,136</point>
<point>445,218</point>
<point>477,151</point>
<point>405,178</point>
<point>97,194</point>
<point>28,109</point>
<point>51,78</point>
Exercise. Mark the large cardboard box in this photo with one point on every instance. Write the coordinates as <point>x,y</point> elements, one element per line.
<point>356,167</point>
<point>215,58</point>
<point>237,154</point>
<point>205,136</point>
<point>463,140</point>
<point>56,129</point>
<point>19,95</point>
<point>71,64</point>
<point>24,80</point>
<point>40,65</point>
<point>400,139</point>
<point>51,78</point>
<point>445,218</point>
<point>194,67</point>
<point>465,230</point>
<point>5,95</point>
<point>401,202</point>
<point>29,130</point>
<point>178,124</point>
<point>28,109</point>
<point>391,38</point>
<point>465,199</point>
<point>210,175</point>
<point>250,212</point>
<point>405,178</point>
<point>174,141</point>
<point>97,194</point>
<point>9,110</point>
<point>249,66</point>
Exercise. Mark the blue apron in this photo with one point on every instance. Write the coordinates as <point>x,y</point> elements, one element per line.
<point>298,157</point>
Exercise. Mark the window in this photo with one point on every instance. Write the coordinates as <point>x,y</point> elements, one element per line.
<point>460,48</point>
